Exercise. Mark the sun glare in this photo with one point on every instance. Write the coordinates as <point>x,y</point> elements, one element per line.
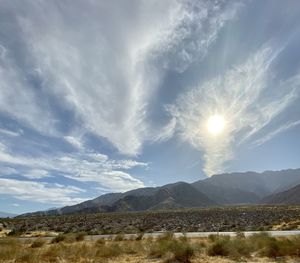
<point>215,124</point>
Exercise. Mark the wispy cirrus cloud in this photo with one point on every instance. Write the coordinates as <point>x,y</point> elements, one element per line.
<point>105,83</point>
<point>240,97</point>
<point>275,132</point>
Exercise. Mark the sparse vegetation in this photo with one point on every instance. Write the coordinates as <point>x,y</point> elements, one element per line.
<point>164,249</point>
<point>68,243</point>
<point>243,218</point>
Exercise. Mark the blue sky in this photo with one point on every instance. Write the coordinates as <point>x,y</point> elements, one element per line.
<point>107,96</point>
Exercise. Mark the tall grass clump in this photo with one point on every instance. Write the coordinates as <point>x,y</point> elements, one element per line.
<point>9,248</point>
<point>178,249</point>
<point>38,243</point>
<point>224,246</point>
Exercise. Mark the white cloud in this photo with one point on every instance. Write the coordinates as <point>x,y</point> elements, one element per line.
<point>238,95</point>
<point>104,75</point>
<point>7,171</point>
<point>10,133</point>
<point>40,192</point>
<point>36,174</point>
<point>82,166</point>
<point>75,142</point>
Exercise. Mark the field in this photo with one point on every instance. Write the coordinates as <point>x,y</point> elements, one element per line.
<point>73,248</point>
<point>68,242</point>
<point>243,218</point>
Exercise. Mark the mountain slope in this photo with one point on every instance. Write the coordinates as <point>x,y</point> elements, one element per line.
<point>225,195</point>
<point>288,197</point>
<point>222,189</point>
<point>170,196</point>
<point>261,184</point>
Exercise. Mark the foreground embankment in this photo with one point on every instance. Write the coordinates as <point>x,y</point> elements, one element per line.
<point>67,248</point>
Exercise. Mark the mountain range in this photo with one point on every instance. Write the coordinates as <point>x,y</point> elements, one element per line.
<point>269,187</point>
<point>5,215</point>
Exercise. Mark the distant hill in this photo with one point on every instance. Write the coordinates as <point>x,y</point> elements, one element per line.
<point>288,197</point>
<point>261,184</point>
<point>225,195</point>
<point>5,215</point>
<point>218,190</point>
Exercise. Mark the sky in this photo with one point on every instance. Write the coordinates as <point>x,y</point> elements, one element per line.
<point>108,96</point>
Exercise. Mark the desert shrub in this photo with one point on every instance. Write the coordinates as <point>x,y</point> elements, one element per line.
<point>119,237</point>
<point>271,249</point>
<point>218,248</point>
<point>59,238</point>
<point>238,248</point>
<point>240,235</point>
<point>52,252</point>
<point>166,236</point>
<point>180,249</point>
<point>27,257</point>
<point>213,237</point>
<point>38,243</point>
<point>100,241</point>
<point>109,251</point>
<point>161,245</point>
<point>80,236</point>
<point>140,236</point>
<point>260,240</point>
<point>9,248</point>
<point>183,252</point>
<point>15,232</point>
<point>282,247</point>
<point>132,247</point>
<point>68,238</point>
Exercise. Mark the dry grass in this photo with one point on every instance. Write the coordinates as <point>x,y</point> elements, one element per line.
<point>73,248</point>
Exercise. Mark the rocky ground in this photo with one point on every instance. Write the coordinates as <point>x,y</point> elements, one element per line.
<point>243,218</point>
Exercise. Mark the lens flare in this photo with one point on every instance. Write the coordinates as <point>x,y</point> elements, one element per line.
<point>215,124</point>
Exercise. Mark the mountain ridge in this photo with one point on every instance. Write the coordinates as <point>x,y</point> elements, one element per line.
<point>217,190</point>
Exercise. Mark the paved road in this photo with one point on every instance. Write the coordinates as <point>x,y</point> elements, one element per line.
<point>199,234</point>
<point>189,234</point>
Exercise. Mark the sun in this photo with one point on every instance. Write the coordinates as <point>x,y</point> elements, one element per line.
<point>215,124</point>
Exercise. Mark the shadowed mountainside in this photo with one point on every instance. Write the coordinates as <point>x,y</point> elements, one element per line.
<point>288,197</point>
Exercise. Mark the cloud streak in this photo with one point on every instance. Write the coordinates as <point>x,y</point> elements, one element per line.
<point>82,166</point>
